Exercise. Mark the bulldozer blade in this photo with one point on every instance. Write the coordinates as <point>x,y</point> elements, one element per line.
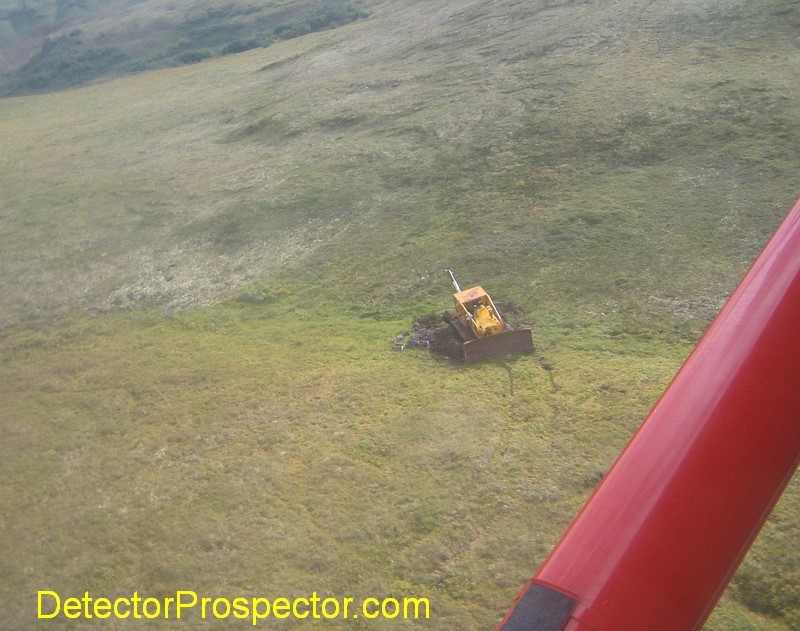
<point>520,341</point>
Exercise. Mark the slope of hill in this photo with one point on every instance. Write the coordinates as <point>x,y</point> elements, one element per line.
<point>202,268</point>
<point>52,44</point>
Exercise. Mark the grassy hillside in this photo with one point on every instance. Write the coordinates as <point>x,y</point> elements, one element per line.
<point>203,267</point>
<point>53,44</point>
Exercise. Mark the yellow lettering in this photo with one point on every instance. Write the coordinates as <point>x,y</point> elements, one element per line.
<point>102,608</point>
<point>367,613</point>
<point>181,604</point>
<point>135,601</point>
<point>72,608</point>
<point>416,602</point>
<point>117,614</point>
<point>385,611</point>
<point>50,605</point>
<point>325,613</point>
<point>295,612</point>
<point>86,600</point>
<point>167,602</point>
<point>281,608</point>
<point>314,602</point>
<point>258,615</point>
<point>227,604</point>
<point>54,595</point>
<point>240,609</point>
<point>148,615</point>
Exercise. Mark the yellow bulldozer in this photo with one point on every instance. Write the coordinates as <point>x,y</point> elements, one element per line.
<point>482,331</point>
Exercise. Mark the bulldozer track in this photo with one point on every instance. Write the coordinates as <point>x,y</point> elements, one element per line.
<point>463,333</point>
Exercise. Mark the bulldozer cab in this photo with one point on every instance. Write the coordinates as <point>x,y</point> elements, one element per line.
<point>476,310</point>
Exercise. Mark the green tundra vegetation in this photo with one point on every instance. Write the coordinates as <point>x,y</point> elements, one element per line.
<point>203,267</point>
<point>117,39</point>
